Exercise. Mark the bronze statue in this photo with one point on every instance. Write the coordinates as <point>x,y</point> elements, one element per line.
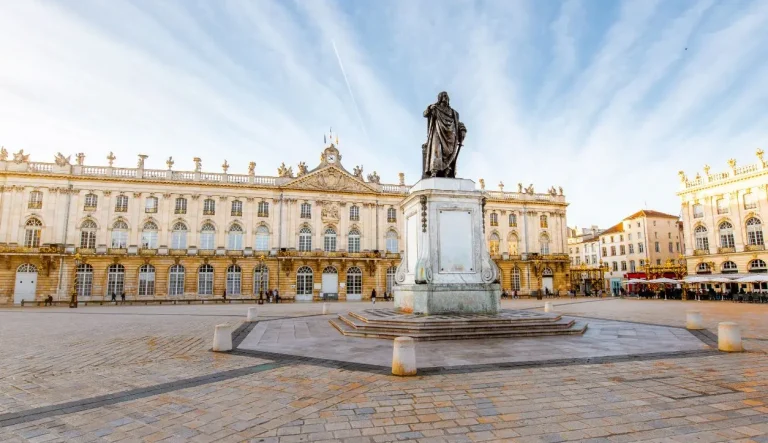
<point>445,137</point>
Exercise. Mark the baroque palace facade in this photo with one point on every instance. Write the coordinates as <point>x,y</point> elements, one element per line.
<point>149,233</point>
<point>723,215</point>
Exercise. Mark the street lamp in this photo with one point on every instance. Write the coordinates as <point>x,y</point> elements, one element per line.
<point>73,300</point>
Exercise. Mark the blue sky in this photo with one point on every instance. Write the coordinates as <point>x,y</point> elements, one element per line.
<point>607,99</point>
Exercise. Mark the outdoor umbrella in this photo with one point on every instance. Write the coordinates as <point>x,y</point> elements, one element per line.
<point>757,278</point>
<point>664,280</point>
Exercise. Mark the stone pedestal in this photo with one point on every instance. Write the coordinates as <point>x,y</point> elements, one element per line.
<point>253,314</point>
<point>404,356</point>
<point>446,268</point>
<point>222,338</point>
<point>729,337</point>
<point>693,321</point>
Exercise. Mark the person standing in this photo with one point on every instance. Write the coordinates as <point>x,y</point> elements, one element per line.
<point>373,296</point>
<point>122,296</point>
<point>277,296</point>
<point>114,296</point>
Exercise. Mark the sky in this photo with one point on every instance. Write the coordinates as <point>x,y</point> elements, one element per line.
<point>608,99</point>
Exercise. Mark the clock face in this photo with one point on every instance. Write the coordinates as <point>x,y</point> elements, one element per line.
<point>331,158</point>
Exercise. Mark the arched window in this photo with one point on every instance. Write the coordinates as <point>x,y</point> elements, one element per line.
<point>176,280</point>
<point>179,236</point>
<point>391,215</point>
<point>391,271</point>
<point>263,209</point>
<point>702,238</point>
<point>84,283</point>
<point>208,237</point>
<point>205,280</point>
<point>515,276</point>
<point>730,267</point>
<point>91,201</point>
<point>147,280</point>
<point>494,219</point>
<point>757,266</point>
<point>120,235</point>
<point>512,220</point>
<point>35,200</point>
<point>305,239</point>
<point>329,240</point>
<point>209,206</point>
<point>150,205</point>
<point>306,210</point>
<point>354,281</point>
<point>702,268</point>
<point>149,236</point>
<point>512,244</point>
<point>392,246</point>
<point>493,244</point>
<point>755,232</point>
<point>235,238</point>
<point>121,203</point>
<point>88,234</point>
<point>32,231</point>
<point>181,206</point>
<point>115,279</point>
<point>304,281</point>
<point>354,213</point>
<point>543,221</point>
<point>237,208</point>
<point>726,235</point>
<point>353,241</point>
<point>234,280</point>
<point>547,272</point>
<point>260,280</point>
<point>544,242</point>
<point>262,238</point>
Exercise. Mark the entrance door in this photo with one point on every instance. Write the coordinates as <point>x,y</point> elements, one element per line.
<point>26,283</point>
<point>330,282</point>
<point>547,283</point>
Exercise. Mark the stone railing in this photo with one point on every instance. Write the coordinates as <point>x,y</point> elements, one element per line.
<point>733,172</point>
<point>499,195</point>
<point>754,247</point>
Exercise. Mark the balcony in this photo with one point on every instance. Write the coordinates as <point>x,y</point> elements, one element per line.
<point>263,214</point>
<point>237,213</point>
<point>699,215</point>
<point>207,252</point>
<point>391,220</point>
<point>86,251</point>
<point>177,252</point>
<point>235,253</point>
<point>722,211</point>
<point>726,250</point>
<point>117,251</point>
<point>35,205</point>
<point>180,211</point>
<point>754,248</point>
<point>150,210</point>
<point>123,209</point>
<point>89,208</point>
<point>209,212</point>
<point>147,251</point>
<point>701,252</point>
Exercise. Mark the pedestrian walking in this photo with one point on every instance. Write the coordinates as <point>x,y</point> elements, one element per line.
<point>373,296</point>
<point>122,296</point>
<point>114,296</point>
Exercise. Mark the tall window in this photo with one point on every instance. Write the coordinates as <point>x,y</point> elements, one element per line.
<point>757,266</point>
<point>726,235</point>
<point>120,235</point>
<point>260,280</point>
<point>181,206</point>
<point>234,280</point>
<point>671,247</point>
<point>515,276</point>
<point>305,239</point>
<point>209,206</point>
<point>543,221</point>
<point>754,232</point>
<point>614,266</point>
<point>306,210</point>
<point>631,248</point>
<point>208,237</point>
<point>613,250</point>
<point>702,238</point>
<point>262,238</point>
<point>150,205</point>
<point>494,219</point>
<point>631,266</point>
<point>121,203</point>
<point>493,244</point>
<point>147,280</point>
<point>32,233</point>
<point>237,208</point>
<point>512,220</point>
<point>179,236</point>
<point>176,280</point>
<point>391,215</point>
<point>640,248</point>
<point>115,279</point>
<point>698,211</point>
<point>35,200</point>
<point>263,209</point>
<point>149,236</point>
<point>84,283</point>
<point>750,201</point>
<point>329,240</point>
<point>512,244</point>
<point>544,242</point>
<point>353,241</point>
<point>392,246</point>
<point>656,247</point>
<point>91,201</point>
<point>391,271</point>
<point>88,234</point>
<point>235,238</point>
<point>623,266</point>
<point>205,280</point>
<point>622,250</point>
<point>354,213</point>
<point>304,281</point>
<point>722,206</point>
<point>354,281</point>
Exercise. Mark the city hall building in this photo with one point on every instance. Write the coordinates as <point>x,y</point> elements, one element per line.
<point>66,227</point>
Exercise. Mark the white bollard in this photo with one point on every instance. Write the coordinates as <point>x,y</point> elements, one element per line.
<point>729,337</point>
<point>404,356</point>
<point>253,314</point>
<point>548,307</point>
<point>326,308</point>
<point>693,320</point>
<point>222,338</point>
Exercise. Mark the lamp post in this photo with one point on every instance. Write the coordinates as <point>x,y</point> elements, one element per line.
<point>73,300</point>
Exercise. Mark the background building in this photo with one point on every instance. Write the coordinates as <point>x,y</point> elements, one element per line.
<point>167,233</point>
<point>723,215</point>
<point>587,268</point>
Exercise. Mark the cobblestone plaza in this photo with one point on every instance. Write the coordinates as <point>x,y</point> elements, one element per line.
<point>121,373</point>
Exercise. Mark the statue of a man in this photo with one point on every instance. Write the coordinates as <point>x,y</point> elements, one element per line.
<point>445,136</point>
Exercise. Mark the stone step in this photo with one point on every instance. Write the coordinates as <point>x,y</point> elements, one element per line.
<point>425,327</point>
<point>540,318</point>
<point>576,328</point>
